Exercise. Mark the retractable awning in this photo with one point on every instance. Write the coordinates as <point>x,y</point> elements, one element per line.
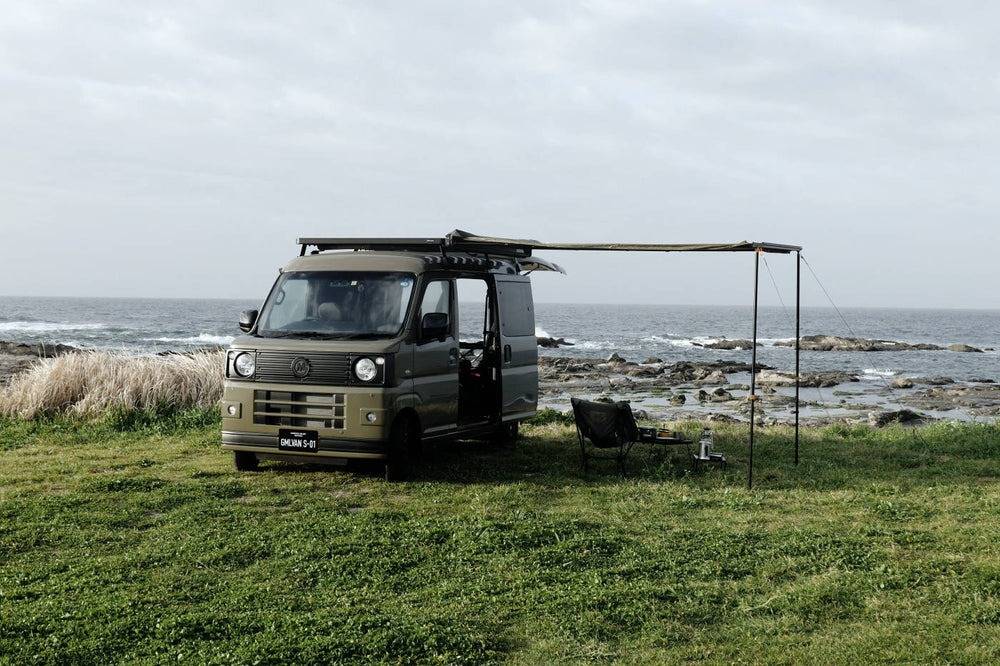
<point>464,240</point>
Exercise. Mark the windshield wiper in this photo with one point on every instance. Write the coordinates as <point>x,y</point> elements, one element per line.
<point>361,336</point>
<point>294,334</point>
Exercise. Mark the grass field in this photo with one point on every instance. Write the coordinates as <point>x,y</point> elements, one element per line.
<point>134,540</point>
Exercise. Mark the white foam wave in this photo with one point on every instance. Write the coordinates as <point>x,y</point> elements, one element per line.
<point>875,374</point>
<point>604,345</point>
<point>769,342</point>
<point>46,326</point>
<point>541,333</point>
<point>201,339</point>
<point>679,341</point>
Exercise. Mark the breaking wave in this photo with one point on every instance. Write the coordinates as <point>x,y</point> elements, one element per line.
<point>201,339</point>
<point>678,340</point>
<point>46,326</point>
<point>604,345</point>
<point>875,374</point>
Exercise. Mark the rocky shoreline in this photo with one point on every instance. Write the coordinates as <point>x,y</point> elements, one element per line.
<point>18,356</point>
<point>718,390</point>
<point>812,343</point>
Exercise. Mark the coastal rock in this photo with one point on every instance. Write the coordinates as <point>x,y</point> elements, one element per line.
<point>934,381</point>
<point>36,350</point>
<point>807,380</point>
<point>552,343</point>
<point>721,395</point>
<point>902,383</point>
<point>653,360</point>
<point>713,377</point>
<point>732,345</point>
<point>643,371</point>
<point>678,400</point>
<point>837,343</point>
<point>688,371</point>
<point>775,378</point>
<point>880,419</point>
<point>615,359</point>
<point>16,357</point>
<point>964,349</point>
<point>980,398</point>
<point>620,382</point>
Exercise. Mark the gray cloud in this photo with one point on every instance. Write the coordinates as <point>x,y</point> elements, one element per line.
<point>178,149</point>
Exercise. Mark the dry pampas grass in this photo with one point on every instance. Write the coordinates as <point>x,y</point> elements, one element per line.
<point>91,383</point>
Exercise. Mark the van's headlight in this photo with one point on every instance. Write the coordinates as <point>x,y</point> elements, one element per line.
<point>365,369</point>
<point>244,364</point>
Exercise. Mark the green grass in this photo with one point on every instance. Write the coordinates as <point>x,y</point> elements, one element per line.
<point>133,540</point>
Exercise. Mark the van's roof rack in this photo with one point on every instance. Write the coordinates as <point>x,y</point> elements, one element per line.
<point>463,241</point>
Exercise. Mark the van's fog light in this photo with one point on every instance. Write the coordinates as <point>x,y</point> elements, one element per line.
<point>379,360</point>
<point>365,369</point>
<point>232,410</point>
<point>372,417</point>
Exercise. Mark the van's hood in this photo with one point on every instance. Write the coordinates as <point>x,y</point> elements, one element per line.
<point>385,346</point>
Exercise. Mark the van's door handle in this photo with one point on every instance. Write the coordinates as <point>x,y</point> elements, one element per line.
<point>506,353</point>
<point>452,357</point>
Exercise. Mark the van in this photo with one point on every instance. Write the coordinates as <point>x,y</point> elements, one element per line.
<point>356,352</point>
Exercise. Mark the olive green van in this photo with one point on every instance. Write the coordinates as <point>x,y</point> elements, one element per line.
<point>356,353</point>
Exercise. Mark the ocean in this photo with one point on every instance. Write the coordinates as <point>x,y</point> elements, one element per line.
<point>634,331</point>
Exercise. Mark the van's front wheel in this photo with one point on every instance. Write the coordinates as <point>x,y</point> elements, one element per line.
<point>403,449</point>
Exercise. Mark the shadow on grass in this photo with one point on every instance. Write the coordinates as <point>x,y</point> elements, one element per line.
<point>830,458</point>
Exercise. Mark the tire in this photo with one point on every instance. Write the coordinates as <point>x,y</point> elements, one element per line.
<point>403,449</point>
<point>507,433</point>
<point>245,461</point>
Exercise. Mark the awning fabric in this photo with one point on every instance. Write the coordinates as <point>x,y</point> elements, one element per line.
<point>459,239</point>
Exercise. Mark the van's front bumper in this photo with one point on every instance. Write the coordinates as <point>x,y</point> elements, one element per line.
<point>361,417</point>
<point>267,445</point>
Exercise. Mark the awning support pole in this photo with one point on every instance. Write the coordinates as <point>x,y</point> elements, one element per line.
<point>753,367</point>
<point>798,336</point>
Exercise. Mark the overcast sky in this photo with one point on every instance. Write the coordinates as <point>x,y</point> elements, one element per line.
<point>179,149</point>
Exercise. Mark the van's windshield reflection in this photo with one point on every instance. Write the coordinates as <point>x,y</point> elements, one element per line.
<point>337,305</point>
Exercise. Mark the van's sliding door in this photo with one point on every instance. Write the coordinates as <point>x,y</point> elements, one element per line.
<point>518,347</point>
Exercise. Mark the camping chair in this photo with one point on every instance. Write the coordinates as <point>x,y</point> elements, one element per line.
<point>612,425</point>
<point>608,425</point>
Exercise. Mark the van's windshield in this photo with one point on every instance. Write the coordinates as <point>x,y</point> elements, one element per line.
<point>336,305</point>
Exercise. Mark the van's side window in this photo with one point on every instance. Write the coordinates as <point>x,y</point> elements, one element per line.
<point>517,315</point>
<point>437,298</point>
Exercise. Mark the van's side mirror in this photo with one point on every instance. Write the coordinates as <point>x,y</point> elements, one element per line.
<point>434,325</point>
<point>247,319</point>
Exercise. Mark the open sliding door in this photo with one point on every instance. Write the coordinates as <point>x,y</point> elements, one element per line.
<point>518,347</point>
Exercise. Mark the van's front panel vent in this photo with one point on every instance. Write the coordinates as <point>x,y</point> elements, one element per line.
<point>329,368</point>
<point>299,410</point>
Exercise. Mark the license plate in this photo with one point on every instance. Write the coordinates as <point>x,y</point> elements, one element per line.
<point>301,441</point>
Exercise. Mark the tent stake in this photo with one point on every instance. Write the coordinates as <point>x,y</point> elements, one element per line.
<point>798,336</point>
<point>753,367</point>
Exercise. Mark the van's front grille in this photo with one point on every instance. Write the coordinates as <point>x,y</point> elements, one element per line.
<point>299,409</point>
<point>330,368</point>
